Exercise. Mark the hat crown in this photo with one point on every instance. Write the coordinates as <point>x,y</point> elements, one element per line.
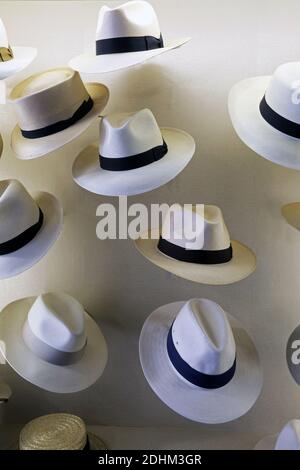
<point>48,97</point>
<point>203,337</point>
<point>283,92</point>
<point>127,134</point>
<point>57,431</point>
<point>3,35</point>
<point>198,227</point>
<point>18,210</point>
<point>289,437</point>
<point>136,18</point>
<point>58,320</point>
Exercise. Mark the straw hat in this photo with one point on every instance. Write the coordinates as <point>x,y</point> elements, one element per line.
<point>58,431</point>
<point>32,225</point>
<point>13,59</point>
<point>53,343</point>
<point>287,439</point>
<point>265,113</point>
<point>211,258</point>
<point>136,155</point>
<point>126,35</point>
<point>200,361</point>
<point>53,108</point>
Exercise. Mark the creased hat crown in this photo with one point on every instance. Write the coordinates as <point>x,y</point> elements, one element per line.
<point>127,134</point>
<point>132,19</point>
<point>203,337</point>
<point>201,225</point>
<point>58,320</point>
<point>18,210</point>
<point>289,437</point>
<point>283,92</point>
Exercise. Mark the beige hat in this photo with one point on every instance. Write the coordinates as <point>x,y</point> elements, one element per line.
<point>58,431</point>
<point>52,108</point>
<point>212,258</point>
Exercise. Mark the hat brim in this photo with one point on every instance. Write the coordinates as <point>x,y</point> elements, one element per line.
<point>242,264</point>
<point>23,56</point>
<point>243,104</point>
<point>91,63</point>
<point>197,404</point>
<point>88,174</point>
<point>1,145</point>
<point>267,443</point>
<point>27,256</point>
<point>54,378</point>
<point>27,149</point>
<point>95,443</point>
<point>291,213</point>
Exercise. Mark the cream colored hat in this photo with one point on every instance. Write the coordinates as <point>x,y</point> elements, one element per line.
<point>13,59</point>
<point>58,431</point>
<point>200,361</point>
<point>136,155</point>
<point>126,35</point>
<point>53,343</point>
<point>265,113</point>
<point>211,258</point>
<point>29,226</point>
<point>53,108</point>
<point>287,439</point>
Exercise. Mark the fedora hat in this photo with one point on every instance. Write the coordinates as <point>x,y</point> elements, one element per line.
<point>133,155</point>
<point>30,226</point>
<point>13,59</point>
<point>126,35</point>
<point>58,431</point>
<point>53,343</point>
<point>53,108</point>
<point>200,361</point>
<point>265,113</point>
<point>287,439</point>
<point>212,258</point>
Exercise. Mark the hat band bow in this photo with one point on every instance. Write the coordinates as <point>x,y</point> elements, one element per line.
<point>128,44</point>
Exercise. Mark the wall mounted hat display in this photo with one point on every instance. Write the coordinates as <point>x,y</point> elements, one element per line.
<point>265,114</point>
<point>287,439</point>
<point>13,59</point>
<point>53,108</point>
<point>136,155</point>
<point>126,35</point>
<point>53,343</point>
<point>30,224</point>
<point>200,361</point>
<point>58,431</point>
<point>214,259</point>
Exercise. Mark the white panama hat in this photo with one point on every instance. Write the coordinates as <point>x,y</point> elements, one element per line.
<point>287,439</point>
<point>53,343</point>
<point>58,431</point>
<point>133,156</point>
<point>213,259</point>
<point>200,361</point>
<point>13,59</point>
<point>53,108</point>
<point>265,113</point>
<point>126,35</point>
<point>29,226</point>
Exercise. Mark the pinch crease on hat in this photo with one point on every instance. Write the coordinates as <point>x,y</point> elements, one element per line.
<point>58,431</point>
<point>53,108</point>
<point>53,343</point>
<point>213,258</point>
<point>287,439</point>
<point>29,226</point>
<point>265,113</point>
<point>133,155</point>
<point>13,59</point>
<point>126,35</point>
<point>200,361</point>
